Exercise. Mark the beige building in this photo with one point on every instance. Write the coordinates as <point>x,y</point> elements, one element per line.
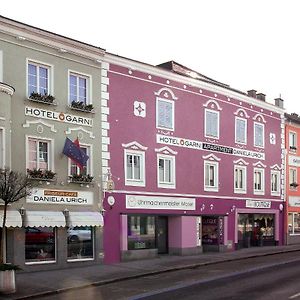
<point>52,89</point>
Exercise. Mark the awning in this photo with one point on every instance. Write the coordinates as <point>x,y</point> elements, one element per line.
<point>13,218</point>
<point>35,218</point>
<point>85,218</point>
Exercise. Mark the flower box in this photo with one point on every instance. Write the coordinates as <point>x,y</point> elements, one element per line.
<point>77,105</point>
<point>46,98</point>
<point>39,174</point>
<point>294,184</point>
<point>79,178</point>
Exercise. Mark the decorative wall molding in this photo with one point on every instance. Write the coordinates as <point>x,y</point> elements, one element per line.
<point>241,162</point>
<point>166,150</point>
<point>135,146</point>
<point>211,157</point>
<point>69,131</point>
<point>211,104</point>
<point>259,118</point>
<point>39,121</point>
<point>240,112</point>
<point>259,164</point>
<point>164,92</point>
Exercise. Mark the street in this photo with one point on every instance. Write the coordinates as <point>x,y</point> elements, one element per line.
<point>267,277</point>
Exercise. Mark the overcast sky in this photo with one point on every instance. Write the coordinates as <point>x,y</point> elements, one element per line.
<point>246,44</point>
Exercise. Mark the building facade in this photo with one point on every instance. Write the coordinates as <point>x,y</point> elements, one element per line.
<point>51,89</point>
<point>196,165</point>
<point>292,133</point>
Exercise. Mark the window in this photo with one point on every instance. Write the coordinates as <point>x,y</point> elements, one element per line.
<point>38,154</point>
<point>293,140</point>
<point>240,179</point>
<point>134,168</point>
<point>211,176</point>
<point>211,123</point>
<point>80,243</point>
<point>294,223</point>
<point>166,171</point>
<point>141,232</point>
<point>259,135</point>
<point>39,244</point>
<point>75,170</point>
<point>293,178</point>
<point>79,88</point>
<point>2,150</point>
<point>259,181</point>
<point>275,183</point>
<point>38,78</point>
<point>240,131</point>
<point>165,114</point>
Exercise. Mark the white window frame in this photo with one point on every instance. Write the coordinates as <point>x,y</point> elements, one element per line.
<point>164,184</point>
<point>263,135</point>
<point>142,180</point>
<point>218,124</point>
<point>292,141</point>
<point>50,148</point>
<point>89,166</point>
<point>215,187</point>
<point>88,86</point>
<point>275,192</point>
<point>262,190</point>
<point>295,177</point>
<point>173,114</point>
<point>243,189</point>
<point>293,224</point>
<point>245,131</point>
<point>50,75</point>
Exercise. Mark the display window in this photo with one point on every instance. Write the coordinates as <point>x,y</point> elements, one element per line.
<point>80,243</point>
<point>39,244</point>
<point>294,223</point>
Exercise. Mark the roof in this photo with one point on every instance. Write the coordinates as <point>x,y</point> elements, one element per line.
<point>292,117</point>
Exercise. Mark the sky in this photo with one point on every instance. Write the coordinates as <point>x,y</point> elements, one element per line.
<point>246,44</point>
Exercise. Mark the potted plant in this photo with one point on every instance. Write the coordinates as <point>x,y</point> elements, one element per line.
<point>294,184</point>
<point>80,178</point>
<point>46,98</point>
<point>41,174</point>
<point>13,187</point>
<point>81,106</point>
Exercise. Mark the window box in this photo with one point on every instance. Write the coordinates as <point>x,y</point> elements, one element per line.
<point>39,174</point>
<point>80,178</point>
<point>294,184</point>
<point>77,105</point>
<point>46,98</point>
<point>293,148</point>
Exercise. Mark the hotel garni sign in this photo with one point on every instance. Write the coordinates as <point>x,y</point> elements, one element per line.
<point>41,196</point>
<point>148,202</point>
<point>57,116</point>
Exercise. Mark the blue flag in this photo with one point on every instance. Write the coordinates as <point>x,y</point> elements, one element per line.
<point>73,151</point>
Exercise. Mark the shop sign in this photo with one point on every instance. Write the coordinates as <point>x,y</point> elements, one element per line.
<point>191,144</point>
<point>57,116</point>
<point>147,202</point>
<point>294,201</point>
<point>41,196</point>
<point>258,204</point>
<point>294,161</point>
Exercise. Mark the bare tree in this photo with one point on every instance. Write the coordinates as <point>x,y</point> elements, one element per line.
<point>13,187</point>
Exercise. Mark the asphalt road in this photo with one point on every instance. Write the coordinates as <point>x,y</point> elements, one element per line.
<point>268,277</point>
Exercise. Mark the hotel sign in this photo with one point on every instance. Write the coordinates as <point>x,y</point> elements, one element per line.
<point>191,144</point>
<point>147,202</point>
<point>41,196</point>
<point>294,161</point>
<point>258,204</point>
<point>57,116</point>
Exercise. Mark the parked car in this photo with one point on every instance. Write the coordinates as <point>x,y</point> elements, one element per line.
<point>34,235</point>
<point>79,235</point>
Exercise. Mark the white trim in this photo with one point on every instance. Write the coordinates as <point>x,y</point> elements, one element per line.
<point>245,131</point>
<point>135,146</point>
<point>259,164</point>
<point>142,180</point>
<point>172,183</point>
<point>240,162</point>
<point>90,133</point>
<point>173,113</point>
<point>208,102</point>
<point>211,157</point>
<point>215,187</point>
<point>263,137</point>
<point>278,173</point>
<point>166,150</point>
<point>262,190</point>
<point>238,190</point>
<point>275,167</point>
<point>218,124</point>
<point>259,116</point>
<point>158,93</point>
<point>39,121</point>
<point>239,112</point>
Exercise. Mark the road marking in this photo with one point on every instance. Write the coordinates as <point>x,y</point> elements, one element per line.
<point>295,296</point>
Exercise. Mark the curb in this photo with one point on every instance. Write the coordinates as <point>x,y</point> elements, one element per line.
<point>151,273</point>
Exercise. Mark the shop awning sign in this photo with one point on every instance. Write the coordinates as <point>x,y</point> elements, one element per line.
<point>258,204</point>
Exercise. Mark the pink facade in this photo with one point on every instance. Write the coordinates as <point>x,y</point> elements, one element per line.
<point>212,135</point>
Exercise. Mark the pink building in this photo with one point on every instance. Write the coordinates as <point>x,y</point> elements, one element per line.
<point>197,165</point>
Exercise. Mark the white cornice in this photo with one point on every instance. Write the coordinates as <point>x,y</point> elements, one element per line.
<point>135,145</point>
<point>166,150</point>
<point>142,67</point>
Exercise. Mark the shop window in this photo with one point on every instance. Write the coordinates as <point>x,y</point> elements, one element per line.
<point>294,223</point>
<point>165,114</point>
<point>240,130</point>
<point>39,244</point>
<point>211,170</point>
<point>240,173</point>
<point>38,78</point>
<point>292,140</point>
<point>211,124</point>
<point>134,168</point>
<point>80,243</point>
<point>275,183</point>
<point>166,171</point>
<point>79,88</point>
<point>141,232</point>
<point>38,154</point>
<point>259,181</point>
<point>259,135</point>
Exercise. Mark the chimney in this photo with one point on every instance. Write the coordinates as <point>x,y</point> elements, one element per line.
<point>279,102</point>
<point>261,96</point>
<point>252,93</point>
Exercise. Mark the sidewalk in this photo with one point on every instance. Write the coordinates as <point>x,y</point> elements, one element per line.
<point>41,283</point>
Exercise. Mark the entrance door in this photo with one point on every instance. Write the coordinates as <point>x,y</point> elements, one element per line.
<point>162,235</point>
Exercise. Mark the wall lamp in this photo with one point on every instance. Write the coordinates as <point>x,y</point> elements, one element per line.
<point>22,210</point>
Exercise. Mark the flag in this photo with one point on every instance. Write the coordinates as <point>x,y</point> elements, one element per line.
<point>73,151</point>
